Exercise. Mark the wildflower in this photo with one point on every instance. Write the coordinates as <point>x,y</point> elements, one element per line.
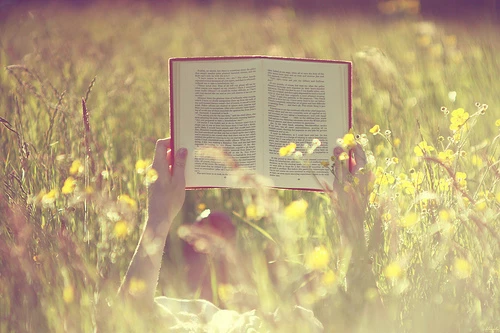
<point>343,156</point>
<point>407,187</point>
<point>288,150</point>
<point>461,177</point>
<point>76,167</point>
<point>497,122</point>
<point>452,96</point>
<point>424,40</point>
<point>396,142</point>
<point>49,198</point>
<point>386,217</point>
<point>450,40</point>
<point>409,220</point>
<point>481,205</point>
<point>462,268</point>
<point>296,209</point>
<point>254,212</point>
<point>477,161</point>
<point>297,155</point>
<point>423,149</point>
<point>446,215</point>
<point>141,166</point>
<point>318,259</point>
<point>226,291</point>
<point>328,278</point>
<point>105,174</point>
<point>136,286</point>
<point>201,207</point>
<point>349,141</point>
<point>151,176</point>
<point>373,199</point>
<point>69,185</point>
<point>375,130</point>
<point>127,200</point>
<point>458,119</point>
<point>121,229</point>
<point>68,294</point>
<point>316,142</point>
<point>446,157</point>
<point>393,271</point>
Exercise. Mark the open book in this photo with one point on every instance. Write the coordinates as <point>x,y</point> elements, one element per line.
<point>251,107</point>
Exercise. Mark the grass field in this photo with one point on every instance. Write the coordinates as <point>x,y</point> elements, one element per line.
<point>414,248</point>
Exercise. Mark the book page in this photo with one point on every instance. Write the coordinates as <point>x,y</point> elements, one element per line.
<point>305,101</point>
<point>215,104</point>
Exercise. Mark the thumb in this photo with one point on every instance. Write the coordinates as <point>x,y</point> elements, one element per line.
<point>160,161</point>
<point>180,165</point>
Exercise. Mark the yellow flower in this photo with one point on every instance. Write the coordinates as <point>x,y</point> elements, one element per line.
<point>254,212</point>
<point>141,166</point>
<point>201,207</point>
<point>396,142</point>
<point>69,185</point>
<point>461,177</point>
<point>288,150</point>
<point>407,187</point>
<point>393,271</point>
<point>462,268</point>
<point>76,168</point>
<point>477,160</point>
<point>226,291</point>
<point>318,259</point>
<point>68,294</point>
<point>450,40</point>
<point>497,123</point>
<point>375,129</point>
<point>446,157</point>
<point>458,118</point>
<point>409,220</point>
<point>424,40</point>
<point>349,141</point>
<point>446,215</point>
<point>151,176</point>
<point>124,198</point>
<point>136,286</point>
<point>296,209</point>
<point>481,205</point>
<point>423,149</point>
<point>328,278</point>
<point>343,156</point>
<point>49,198</point>
<point>121,229</point>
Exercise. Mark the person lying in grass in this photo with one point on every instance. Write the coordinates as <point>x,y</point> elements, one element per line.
<point>166,197</point>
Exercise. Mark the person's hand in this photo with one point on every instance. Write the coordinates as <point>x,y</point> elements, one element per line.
<point>167,193</point>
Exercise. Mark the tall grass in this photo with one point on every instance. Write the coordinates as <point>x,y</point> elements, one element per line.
<point>412,246</point>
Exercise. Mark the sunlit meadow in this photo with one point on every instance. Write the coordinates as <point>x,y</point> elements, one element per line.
<point>408,244</point>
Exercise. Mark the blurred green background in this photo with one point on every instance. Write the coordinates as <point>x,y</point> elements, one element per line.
<point>70,219</point>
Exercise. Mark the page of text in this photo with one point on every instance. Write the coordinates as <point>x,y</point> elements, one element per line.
<point>305,101</point>
<point>219,109</point>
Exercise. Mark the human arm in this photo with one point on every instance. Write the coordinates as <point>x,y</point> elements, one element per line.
<point>166,197</point>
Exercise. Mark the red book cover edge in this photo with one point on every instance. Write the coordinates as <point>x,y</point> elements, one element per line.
<point>171,94</point>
